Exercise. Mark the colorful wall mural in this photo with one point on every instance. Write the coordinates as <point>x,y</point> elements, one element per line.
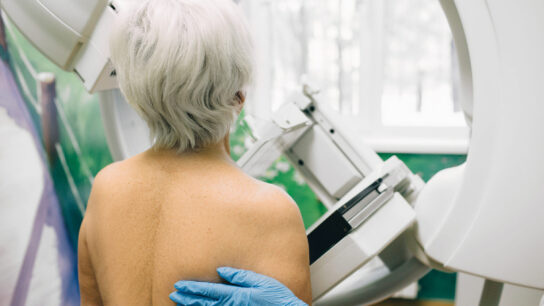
<point>39,264</point>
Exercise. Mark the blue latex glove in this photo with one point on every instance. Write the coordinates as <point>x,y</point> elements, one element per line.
<point>248,288</point>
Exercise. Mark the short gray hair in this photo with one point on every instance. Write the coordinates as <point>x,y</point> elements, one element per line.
<point>181,64</point>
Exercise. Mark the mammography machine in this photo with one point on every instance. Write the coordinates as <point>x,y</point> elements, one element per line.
<point>483,218</point>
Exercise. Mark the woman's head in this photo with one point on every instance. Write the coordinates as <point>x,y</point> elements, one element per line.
<point>182,64</point>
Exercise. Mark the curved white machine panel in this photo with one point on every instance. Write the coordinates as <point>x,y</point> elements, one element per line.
<point>494,228</point>
<point>57,28</point>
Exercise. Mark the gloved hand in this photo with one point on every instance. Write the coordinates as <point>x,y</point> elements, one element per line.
<point>248,288</point>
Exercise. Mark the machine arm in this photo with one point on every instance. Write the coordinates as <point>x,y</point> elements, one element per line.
<point>368,200</point>
<point>72,34</point>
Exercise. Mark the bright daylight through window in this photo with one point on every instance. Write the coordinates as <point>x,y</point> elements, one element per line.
<point>389,67</point>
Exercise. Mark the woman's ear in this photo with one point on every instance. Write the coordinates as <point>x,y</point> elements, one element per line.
<point>241,99</point>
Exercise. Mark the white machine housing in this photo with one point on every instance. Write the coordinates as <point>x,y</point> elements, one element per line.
<point>486,217</point>
<point>72,34</point>
<point>483,218</point>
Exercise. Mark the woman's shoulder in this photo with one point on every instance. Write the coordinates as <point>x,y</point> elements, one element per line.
<point>266,200</point>
<point>113,183</point>
<point>111,175</point>
<point>119,173</point>
<point>269,212</point>
<point>272,199</point>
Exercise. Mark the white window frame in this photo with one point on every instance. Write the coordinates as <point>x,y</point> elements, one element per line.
<point>395,139</point>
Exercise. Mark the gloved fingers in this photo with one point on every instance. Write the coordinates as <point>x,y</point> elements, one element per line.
<point>241,277</point>
<point>210,290</point>
<point>191,299</point>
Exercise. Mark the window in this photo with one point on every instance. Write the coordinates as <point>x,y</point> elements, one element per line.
<point>388,67</point>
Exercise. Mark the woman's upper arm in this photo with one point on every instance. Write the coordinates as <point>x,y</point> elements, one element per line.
<point>88,285</point>
<point>285,245</point>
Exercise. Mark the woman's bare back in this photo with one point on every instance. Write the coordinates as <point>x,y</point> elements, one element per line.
<point>158,218</point>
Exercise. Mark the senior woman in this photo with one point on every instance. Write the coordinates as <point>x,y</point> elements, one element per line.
<point>181,209</point>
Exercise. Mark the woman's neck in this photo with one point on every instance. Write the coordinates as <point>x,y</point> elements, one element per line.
<point>218,151</point>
